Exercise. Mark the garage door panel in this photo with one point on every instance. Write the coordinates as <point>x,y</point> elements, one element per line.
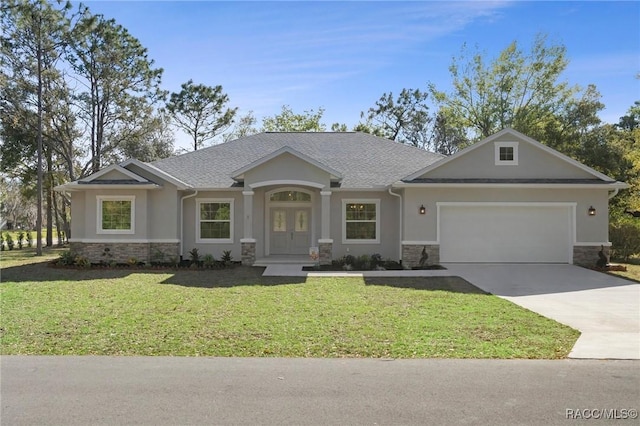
<point>505,233</point>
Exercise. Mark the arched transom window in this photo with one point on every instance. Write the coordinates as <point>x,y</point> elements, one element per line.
<point>290,196</point>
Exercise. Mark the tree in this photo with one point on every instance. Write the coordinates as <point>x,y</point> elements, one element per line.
<point>153,141</point>
<point>405,119</point>
<point>201,111</point>
<point>447,137</point>
<point>518,90</point>
<point>288,121</point>
<point>245,126</point>
<point>120,84</point>
<point>34,33</point>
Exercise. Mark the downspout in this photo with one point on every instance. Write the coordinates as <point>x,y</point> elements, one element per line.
<point>182,220</point>
<point>400,221</point>
<point>614,193</point>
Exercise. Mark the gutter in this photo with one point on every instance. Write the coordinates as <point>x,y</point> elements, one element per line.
<point>400,221</point>
<point>182,220</point>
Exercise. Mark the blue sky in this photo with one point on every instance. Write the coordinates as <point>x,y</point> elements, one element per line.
<point>343,56</point>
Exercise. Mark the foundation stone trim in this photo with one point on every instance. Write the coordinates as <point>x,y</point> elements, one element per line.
<point>412,254</point>
<point>588,255</point>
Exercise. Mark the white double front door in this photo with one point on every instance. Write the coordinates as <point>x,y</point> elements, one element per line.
<point>290,230</point>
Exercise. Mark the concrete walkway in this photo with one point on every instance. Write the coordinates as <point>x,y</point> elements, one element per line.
<point>604,308</point>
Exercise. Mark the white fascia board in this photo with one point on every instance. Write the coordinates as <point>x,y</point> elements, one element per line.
<point>74,186</point>
<point>157,172</point>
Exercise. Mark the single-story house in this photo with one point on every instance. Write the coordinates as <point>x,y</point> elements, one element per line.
<point>507,198</point>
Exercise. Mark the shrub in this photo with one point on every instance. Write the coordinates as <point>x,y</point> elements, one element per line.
<point>1,242</point>
<point>82,261</point>
<point>9,240</point>
<point>376,260</point>
<point>195,257</point>
<point>226,257</point>
<point>20,238</point>
<point>349,259</point>
<point>29,238</point>
<point>625,240</point>
<point>174,261</point>
<point>208,261</point>
<point>67,258</point>
<point>132,261</point>
<point>363,262</point>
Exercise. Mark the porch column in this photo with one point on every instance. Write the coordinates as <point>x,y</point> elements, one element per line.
<point>248,243</point>
<point>325,243</point>
<point>248,214</point>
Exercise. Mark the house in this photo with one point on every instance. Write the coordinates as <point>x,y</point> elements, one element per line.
<point>507,198</point>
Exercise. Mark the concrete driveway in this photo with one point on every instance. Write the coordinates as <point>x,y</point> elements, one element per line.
<point>604,308</point>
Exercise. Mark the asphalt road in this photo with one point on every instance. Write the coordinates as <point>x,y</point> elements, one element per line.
<point>198,391</point>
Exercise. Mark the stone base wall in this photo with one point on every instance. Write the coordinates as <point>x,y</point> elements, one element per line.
<point>588,255</point>
<point>411,254</point>
<point>326,253</point>
<point>163,252</point>
<point>123,252</point>
<point>248,251</point>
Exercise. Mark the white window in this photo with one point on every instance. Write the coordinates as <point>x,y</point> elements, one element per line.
<point>115,214</point>
<point>506,153</point>
<point>361,221</point>
<point>214,220</point>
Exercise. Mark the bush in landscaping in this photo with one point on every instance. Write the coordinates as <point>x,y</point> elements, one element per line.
<point>67,258</point>
<point>20,239</point>
<point>10,242</point>
<point>1,242</point>
<point>29,238</point>
<point>625,240</point>
<point>226,257</point>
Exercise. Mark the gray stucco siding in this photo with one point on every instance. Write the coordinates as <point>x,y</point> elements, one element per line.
<point>190,220</point>
<point>286,167</point>
<point>389,225</point>
<point>88,209</point>
<point>533,162</point>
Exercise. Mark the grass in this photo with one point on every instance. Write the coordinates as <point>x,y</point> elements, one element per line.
<point>239,313</point>
<point>632,272</point>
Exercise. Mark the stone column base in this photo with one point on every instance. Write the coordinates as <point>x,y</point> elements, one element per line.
<point>412,253</point>
<point>588,255</point>
<point>326,252</point>
<point>248,250</point>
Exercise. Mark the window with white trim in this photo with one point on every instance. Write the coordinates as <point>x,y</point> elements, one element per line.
<point>214,220</point>
<point>115,214</point>
<point>361,221</point>
<point>506,153</point>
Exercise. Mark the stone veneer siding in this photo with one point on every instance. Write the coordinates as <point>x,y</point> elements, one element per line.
<point>326,253</point>
<point>411,254</point>
<point>588,255</point>
<point>248,251</point>
<point>122,252</point>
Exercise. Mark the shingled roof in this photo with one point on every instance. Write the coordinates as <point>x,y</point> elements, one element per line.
<point>363,160</point>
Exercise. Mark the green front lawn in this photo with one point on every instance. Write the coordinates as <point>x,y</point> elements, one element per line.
<point>237,312</point>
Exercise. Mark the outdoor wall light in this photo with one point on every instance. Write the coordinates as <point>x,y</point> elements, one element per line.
<point>422,209</point>
<point>592,211</point>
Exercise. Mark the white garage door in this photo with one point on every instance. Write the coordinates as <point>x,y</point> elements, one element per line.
<point>515,233</point>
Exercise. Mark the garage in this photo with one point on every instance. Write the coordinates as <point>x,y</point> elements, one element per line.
<point>506,232</point>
